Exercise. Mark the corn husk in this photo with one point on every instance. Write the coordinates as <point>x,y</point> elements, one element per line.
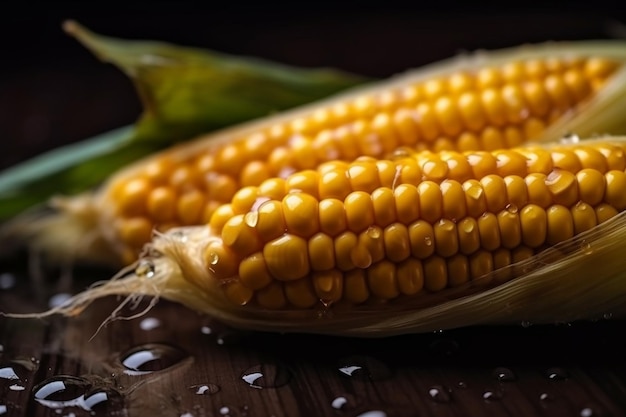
<point>583,278</point>
<point>84,220</point>
<point>183,91</point>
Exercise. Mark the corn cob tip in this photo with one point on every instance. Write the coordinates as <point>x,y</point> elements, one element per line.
<point>64,231</point>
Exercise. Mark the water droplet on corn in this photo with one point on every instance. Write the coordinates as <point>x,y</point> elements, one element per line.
<point>145,268</point>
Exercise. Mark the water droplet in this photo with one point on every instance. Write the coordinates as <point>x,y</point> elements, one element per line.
<point>16,387</point>
<point>338,403</point>
<point>145,269</point>
<point>570,138</point>
<point>104,399</point>
<point>504,374</point>
<point>206,330</point>
<point>526,324</point>
<point>186,415</point>
<point>1,348</point>
<point>349,370</point>
<point>345,402</point>
<point>179,235</point>
<point>490,395</point>
<point>373,413</point>
<point>205,389</point>
<point>150,358</point>
<point>461,384</point>
<point>585,247</point>
<point>401,152</point>
<point>440,394</point>
<point>374,232</point>
<point>214,258</point>
<point>607,316</point>
<point>251,218</point>
<point>545,397</point>
<point>266,376</point>
<point>7,281</point>
<point>8,372</point>
<point>62,391</point>
<point>3,409</point>
<point>512,208</point>
<point>557,374</point>
<point>587,412</point>
<point>428,241</point>
<point>224,411</point>
<point>58,299</point>
<point>365,367</point>
<point>149,323</point>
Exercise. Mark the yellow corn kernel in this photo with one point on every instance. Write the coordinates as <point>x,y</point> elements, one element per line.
<point>287,257</point>
<point>300,211</point>
<point>458,270</point>
<point>560,224</point>
<point>328,286</point>
<point>161,204</point>
<point>300,293</point>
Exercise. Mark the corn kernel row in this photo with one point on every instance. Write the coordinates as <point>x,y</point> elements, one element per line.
<point>453,232</point>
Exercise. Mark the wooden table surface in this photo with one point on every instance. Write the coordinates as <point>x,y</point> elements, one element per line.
<point>175,362</point>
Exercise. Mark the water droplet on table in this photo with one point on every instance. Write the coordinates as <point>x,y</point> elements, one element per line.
<point>7,281</point>
<point>266,376</point>
<point>205,389</point>
<point>504,374</point>
<point>150,358</point>
<point>373,413</point>
<point>544,396</point>
<point>440,394</point>
<point>61,391</point>
<point>587,412</point>
<point>491,395</point>
<point>366,367</point>
<point>149,323</point>
<point>557,374</point>
<point>3,409</point>
<point>344,402</point>
<point>104,400</point>
<point>7,372</point>
<point>58,299</point>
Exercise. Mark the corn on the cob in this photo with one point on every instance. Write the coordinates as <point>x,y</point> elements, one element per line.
<point>484,102</point>
<point>421,241</point>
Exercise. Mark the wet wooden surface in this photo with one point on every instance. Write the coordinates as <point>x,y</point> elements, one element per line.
<point>174,362</point>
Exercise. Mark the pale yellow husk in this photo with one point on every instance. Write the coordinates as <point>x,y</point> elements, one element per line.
<point>79,227</point>
<point>583,278</point>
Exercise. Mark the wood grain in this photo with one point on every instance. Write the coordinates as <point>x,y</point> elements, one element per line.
<point>567,370</point>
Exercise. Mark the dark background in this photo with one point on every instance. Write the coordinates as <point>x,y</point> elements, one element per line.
<point>53,91</point>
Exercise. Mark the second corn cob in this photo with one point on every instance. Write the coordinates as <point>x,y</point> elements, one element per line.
<point>484,102</point>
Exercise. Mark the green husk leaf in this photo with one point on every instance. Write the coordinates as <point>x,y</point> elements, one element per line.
<point>184,92</point>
